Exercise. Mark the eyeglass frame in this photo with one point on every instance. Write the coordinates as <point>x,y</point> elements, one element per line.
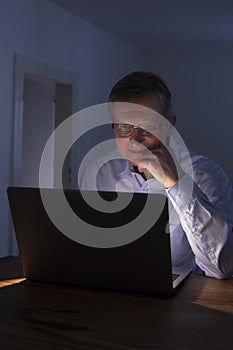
<point>141,130</point>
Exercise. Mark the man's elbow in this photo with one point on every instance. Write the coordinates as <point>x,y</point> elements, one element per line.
<point>220,273</point>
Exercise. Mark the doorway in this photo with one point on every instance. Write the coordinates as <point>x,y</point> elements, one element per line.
<point>38,124</point>
<point>46,104</point>
<point>44,97</point>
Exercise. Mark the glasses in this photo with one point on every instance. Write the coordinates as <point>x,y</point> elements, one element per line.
<point>126,130</point>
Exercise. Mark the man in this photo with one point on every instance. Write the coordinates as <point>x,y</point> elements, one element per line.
<point>148,160</point>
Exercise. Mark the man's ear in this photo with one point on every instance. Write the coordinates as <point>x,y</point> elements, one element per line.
<point>173,120</point>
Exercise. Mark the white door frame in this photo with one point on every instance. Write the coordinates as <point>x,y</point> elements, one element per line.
<point>25,66</point>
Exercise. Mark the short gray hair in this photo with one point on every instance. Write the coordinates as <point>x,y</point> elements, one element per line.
<point>139,84</point>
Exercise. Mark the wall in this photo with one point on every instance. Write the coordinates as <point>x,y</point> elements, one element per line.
<point>42,31</point>
<point>201,81</point>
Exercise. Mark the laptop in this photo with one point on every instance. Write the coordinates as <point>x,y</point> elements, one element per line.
<point>50,254</point>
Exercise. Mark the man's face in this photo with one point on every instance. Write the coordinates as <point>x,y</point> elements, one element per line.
<point>150,128</point>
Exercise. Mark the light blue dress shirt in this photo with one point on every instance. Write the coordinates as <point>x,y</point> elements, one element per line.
<point>201,220</point>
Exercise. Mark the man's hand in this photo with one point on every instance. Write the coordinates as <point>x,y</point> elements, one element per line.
<point>161,163</point>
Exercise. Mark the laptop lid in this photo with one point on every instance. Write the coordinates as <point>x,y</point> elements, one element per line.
<point>52,254</point>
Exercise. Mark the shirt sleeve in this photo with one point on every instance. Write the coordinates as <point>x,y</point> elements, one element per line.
<point>206,213</point>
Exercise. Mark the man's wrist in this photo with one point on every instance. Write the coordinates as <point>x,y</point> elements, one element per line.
<point>169,183</point>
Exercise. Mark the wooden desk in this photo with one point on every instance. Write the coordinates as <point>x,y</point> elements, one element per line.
<point>47,316</point>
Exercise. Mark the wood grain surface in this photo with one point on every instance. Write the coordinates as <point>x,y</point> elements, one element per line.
<point>36,315</point>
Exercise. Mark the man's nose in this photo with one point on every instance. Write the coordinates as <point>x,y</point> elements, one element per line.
<point>136,135</point>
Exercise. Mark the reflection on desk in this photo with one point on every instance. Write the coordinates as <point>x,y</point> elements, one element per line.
<point>47,316</point>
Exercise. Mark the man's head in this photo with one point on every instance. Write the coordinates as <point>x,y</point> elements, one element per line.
<point>138,103</point>
<point>137,85</point>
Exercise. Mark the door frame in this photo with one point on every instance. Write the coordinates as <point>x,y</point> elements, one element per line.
<point>24,66</point>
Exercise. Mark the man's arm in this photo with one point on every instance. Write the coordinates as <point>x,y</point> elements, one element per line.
<point>207,220</point>
<point>204,204</point>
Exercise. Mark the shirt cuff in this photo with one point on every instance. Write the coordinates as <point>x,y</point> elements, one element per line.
<point>183,192</point>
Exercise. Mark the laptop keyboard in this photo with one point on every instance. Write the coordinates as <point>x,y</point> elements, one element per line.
<point>175,276</point>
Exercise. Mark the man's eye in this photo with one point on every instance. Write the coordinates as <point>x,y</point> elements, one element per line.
<point>147,127</point>
<point>124,127</point>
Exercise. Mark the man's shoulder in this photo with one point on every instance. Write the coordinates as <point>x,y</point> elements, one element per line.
<point>206,169</point>
<point>111,161</point>
<point>103,172</point>
<point>202,162</point>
